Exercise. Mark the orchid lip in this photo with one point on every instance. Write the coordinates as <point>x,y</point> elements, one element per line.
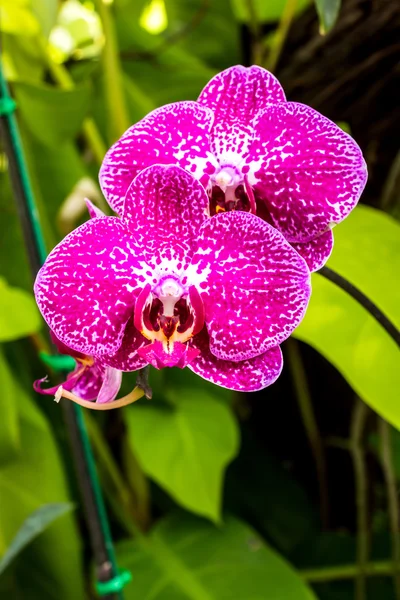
<point>227,177</point>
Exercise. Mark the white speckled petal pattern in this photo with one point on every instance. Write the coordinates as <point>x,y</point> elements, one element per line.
<point>176,133</point>
<point>308,171</point>
<point>257,287</point>
<point>87,288</point>
<point>239,93</point>
<point>317,251</point>
<point>243,376</point>
<point>236,95</point>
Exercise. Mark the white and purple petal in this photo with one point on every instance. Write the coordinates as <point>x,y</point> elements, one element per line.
<point>239,93</point>
<point>176,133</point>
<point>309,172</point>
<point>86,289</point>
<point>243,376</point>
<point>254,286</point>
<point>317,251</point>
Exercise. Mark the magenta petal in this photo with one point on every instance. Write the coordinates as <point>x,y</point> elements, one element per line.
<point>310,173</point>
<point>93,210</point>
<point>255,287</point>
<point>239,93</point>
<point>173,134</point>
<point>89,384</point>
<point>165,205</point>
<point>68,384</point>
<point>244,376</point>
<point>180,355</point>
<point>86,289</point>
<point>110,386</point>
<point>317,251</point>
<point>127,357</point>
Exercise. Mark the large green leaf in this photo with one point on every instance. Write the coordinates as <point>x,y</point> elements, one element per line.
<point>186,446</point>
<point>367,252</point>
<point>9,426</point>
<point>50,568</point>
<point>186,558</point>
<point>53,116</point>
<point>19,315</point>
<point>33,526</point>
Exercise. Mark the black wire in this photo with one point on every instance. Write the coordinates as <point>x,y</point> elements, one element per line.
<point>362,299</point>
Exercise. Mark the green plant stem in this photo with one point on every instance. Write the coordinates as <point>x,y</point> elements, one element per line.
<point>281,34</point>
<point>359,417</point>
<point>391,486</point>
<point>134,499</point>
<point>255,29</point>
<point>371,569</point>
<point>118,116</point>
<point>304,401</point>
<point>89,129</point>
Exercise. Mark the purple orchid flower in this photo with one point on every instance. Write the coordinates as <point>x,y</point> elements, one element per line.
<point>253,151</point>
<point>90,380</point>
<point>168,286</point>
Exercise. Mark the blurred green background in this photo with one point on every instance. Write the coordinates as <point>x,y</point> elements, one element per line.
<point>290,493</point>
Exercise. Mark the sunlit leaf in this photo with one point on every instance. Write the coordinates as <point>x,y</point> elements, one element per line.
<point>33,526</point>
<point>154,17</point>
<point>328,12</point>
<point>186,558</point>
<point>19,316</point>
<point>367,253</point>
<point>186,447</point>
<point>17,18</point>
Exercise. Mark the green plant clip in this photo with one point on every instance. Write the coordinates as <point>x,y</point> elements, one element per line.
<point>116,584</point>
<point>7,106</point>
<point>59,363</point>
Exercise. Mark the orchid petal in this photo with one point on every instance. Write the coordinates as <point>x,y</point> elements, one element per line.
<point>127,357</point>
<point>90,383</point>
<point>179,355</point>
<point>243,376</point>
<point>306,169</point>
<point>176,133</point>
<point>236,96</point>
<point>255,287</point>
<point>239,93</point>
<point>110,386</point>
<point>165,205</point>
<point>68,384</point>
<point>94,211</point>
<point>86,289</point>
<point>317,251</point>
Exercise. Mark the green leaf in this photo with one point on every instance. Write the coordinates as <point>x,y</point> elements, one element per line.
<point>186,447</point>
<point>367,253</point>
<point>9,426</point>
<point>34,478</point>
<point>328,12</point>
<point>33,526</point>
<point>265,11</point>
<point>186,558</point>
<point>46,14</point>
<point>53,116</point>
<point>19,316</point>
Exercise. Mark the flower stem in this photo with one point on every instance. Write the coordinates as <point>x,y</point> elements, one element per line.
<point>304,401</point>
<point>118,117</point>
<point>358,295</point>
<point>359,417</point>
<point>133,396</point>
<point>390,479</point>
<point>335,573</point>
<point>281,33</point>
